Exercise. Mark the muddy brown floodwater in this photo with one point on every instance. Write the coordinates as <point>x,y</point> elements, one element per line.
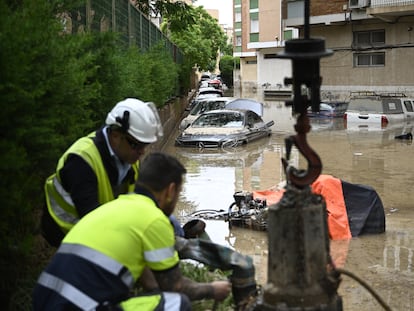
<point>374,158</point>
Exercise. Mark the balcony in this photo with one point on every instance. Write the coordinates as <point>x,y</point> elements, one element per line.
<point>390,10</point>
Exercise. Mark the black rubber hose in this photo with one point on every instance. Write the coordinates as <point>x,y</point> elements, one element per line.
<point>367,286</point>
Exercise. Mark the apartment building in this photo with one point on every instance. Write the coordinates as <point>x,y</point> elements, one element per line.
<point>372,42</point>
<point>257,38</point>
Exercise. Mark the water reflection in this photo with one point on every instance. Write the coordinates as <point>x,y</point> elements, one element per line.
<point>356,155</point>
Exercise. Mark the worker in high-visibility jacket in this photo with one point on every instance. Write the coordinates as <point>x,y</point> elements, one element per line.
<point>99,167</point>
<point>103,255</point>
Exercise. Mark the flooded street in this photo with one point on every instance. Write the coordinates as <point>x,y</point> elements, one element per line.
<point>374,158</point>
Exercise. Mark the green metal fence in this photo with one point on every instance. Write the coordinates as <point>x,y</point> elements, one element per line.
<point>122,17</point>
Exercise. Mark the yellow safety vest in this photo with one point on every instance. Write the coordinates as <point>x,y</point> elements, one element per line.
<point>132,230</point>
<point>121,237</point>
<point>59,202</point>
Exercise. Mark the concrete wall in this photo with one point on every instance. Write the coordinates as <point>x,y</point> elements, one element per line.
<point>171,115</point>
<point>272,71</point>
<point>338,71</point>
<point>269,20</point>
<point>248,73</point>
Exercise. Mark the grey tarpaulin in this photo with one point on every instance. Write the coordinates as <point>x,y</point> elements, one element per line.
<point>224,258</point>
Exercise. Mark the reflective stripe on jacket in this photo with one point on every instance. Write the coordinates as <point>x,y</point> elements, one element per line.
<point>59,202</point>
<point>164,301</point>
<point>132,230</point>
<point>101,257</point>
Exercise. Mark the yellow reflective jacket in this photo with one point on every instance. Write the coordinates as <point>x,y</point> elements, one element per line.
<point>112,245</point>
<point>131,230</point>
<point>59,202</point>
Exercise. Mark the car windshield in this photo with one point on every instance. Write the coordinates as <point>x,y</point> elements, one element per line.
<point>370,105</point>
<point>365,105</point>
<point>233,119</point>
<point>205,106</point>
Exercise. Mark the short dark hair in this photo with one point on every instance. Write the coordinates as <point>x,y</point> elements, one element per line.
<point>115,128</point>
<point>157,170</point>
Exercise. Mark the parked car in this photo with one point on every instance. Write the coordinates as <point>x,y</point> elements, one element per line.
<point>224,128</point>
<point>378,110</point>
<point>216,83</point>
<point>329,110</point>
<point>205,76</point>
<point>204,105</point>
<point>323,123</point>
<point>210,90</point>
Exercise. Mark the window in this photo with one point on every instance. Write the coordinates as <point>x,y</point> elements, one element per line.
<point>237,17</point>
<point>254,26</point>
<point>295,9</point>
<point>238,40</point>
<point>369,38</point>
<point>254,37</point>
<point>369,59</point>
<point>254,4</point>
<point>253,120</point>
<point>267,56</point>
<point>392,106</point>
<point>408,105</point>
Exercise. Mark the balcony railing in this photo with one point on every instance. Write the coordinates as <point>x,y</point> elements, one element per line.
<point>387,3</point>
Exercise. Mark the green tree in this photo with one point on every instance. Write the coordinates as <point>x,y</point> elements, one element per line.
<point>227,65</point>
<point>227,50</point>
<point>150,76</point>
<point>199,41</point>
<point>44,90</point>
<point>178,13</point>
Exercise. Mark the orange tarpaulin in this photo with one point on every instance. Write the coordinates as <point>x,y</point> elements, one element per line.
<point>331,189</point>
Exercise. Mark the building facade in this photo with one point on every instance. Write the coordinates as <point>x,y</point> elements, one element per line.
<point>372,41</point>
<point>257,37</point>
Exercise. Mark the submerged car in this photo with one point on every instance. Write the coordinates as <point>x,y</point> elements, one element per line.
<point>224,128</point>
<point>378,110</point>
<point>329,110</point>
<point>210,91</point>
<point>203,93</point>
<point>204,105</point>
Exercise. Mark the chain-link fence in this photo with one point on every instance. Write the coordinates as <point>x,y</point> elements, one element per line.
<point>122,17</point>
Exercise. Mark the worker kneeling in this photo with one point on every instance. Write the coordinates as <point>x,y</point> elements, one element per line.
<point>105,253</point>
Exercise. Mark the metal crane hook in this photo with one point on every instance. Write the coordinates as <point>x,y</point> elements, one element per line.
<point>297,177</point>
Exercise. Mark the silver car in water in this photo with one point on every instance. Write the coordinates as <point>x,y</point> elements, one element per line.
<point>224,128</point>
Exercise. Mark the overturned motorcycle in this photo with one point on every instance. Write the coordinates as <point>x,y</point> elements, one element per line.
<point>352,209</point>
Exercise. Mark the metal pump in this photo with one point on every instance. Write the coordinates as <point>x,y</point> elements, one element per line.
<point>301,275</point>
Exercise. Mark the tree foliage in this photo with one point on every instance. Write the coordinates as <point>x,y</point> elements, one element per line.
<point>146,74</point>
<point>199,41</point>
<point>227,65</point>
<point>178,12</point>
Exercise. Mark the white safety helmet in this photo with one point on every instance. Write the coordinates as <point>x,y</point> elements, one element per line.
<point>139,119</point>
